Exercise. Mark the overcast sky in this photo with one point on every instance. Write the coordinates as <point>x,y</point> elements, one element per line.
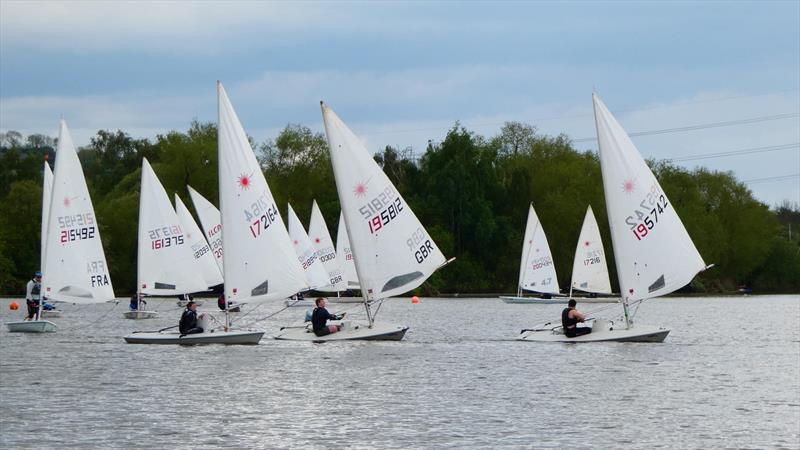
<point>403,73</point>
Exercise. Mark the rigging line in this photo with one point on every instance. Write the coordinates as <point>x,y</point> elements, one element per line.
<point>94,321</point>
<point>744,151</point>
<point>575,116</point>
<point>727,123</point>
<point>775,178</point>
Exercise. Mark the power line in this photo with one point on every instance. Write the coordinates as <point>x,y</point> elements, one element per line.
<point>589,114</point>
<point>744,151</point>
<point>777,178</point>
<point>727,123</point>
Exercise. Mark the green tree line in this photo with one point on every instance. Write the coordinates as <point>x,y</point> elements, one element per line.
<point>471,193</point>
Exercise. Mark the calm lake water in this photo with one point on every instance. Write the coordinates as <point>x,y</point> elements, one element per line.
<point>727,376</point>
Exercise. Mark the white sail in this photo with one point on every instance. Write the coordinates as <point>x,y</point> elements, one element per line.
<point>345,254</point>
<point>306,253</point>
<point>536,272</point>
<point>653,251</point>
<point>166,265</point>
<point>211,222</point>
<point>203,257</point>
<point>589,269</point>
<point>326,252</point>
<point>260,263</point>
<point>75,268</point>
<point>394,254</point>
<point>47,193</point>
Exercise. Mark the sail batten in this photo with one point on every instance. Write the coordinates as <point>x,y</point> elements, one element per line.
<point>260,263</point>
<point>654,253</point>
<point>75,268</point>
<point>385,235</point>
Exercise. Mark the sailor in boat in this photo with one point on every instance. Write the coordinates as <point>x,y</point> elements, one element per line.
<point>137,302</point>
<point>33,292</point>
<point>188,323</point>
<point>320,318</point>
<point>570,318</point>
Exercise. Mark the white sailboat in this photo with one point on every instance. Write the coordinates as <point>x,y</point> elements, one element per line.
<point>326,252</point>
<point>75,268</point>
<point>203,256</point>
<point>211,222</point>
<point>344,255</point>
<point>589,268</point>
<point>260,264</point>
<point>307,257</point>
<point>47,191</point>
<point>537,273</point>
<point>654,253</point>
<point>165,263</point>
<point>393,252</point>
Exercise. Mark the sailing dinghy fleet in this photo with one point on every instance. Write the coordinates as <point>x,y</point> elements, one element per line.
<point>382,249</point>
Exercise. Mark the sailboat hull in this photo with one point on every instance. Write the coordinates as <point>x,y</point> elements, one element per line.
<point>51,313</point>
<point>238,337</point>
<point>351,331</point>
<point>31,326</point>
<point>138,315</point>
<point>554,301</point>
<point>602,331</point>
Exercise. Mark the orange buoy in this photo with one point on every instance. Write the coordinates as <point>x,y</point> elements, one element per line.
<point>14,306</point>
<point>414,300</point>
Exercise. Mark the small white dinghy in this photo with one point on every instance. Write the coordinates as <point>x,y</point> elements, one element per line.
<point>212,336</point>
<point>166,263</point>
<point>73,263</point>
<point>602,331</point>
<point>393,253</point>
<point>31,326</point>
<point>350,331</point>
<point>654,253</point>
<point>537,273</point>
<point>589,268</point>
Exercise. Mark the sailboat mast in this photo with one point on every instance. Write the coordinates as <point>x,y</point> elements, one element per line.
<point>614,245</point>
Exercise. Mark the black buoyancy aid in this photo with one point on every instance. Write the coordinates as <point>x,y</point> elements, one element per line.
<point>568,322</point>
<point>36,291</point>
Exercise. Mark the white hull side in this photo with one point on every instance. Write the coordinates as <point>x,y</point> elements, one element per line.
<point>51,313</point>
<point>351,331</point>
<point>138,315</point>
<point>602,331</point>
<point>554,301</point>
<point>234,337</point>
<point>31,326</point>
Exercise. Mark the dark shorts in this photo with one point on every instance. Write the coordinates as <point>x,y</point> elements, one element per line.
<point>32,309</point>
<point>324,331</point>
<point>577,331</point>
<point>194,330</point>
